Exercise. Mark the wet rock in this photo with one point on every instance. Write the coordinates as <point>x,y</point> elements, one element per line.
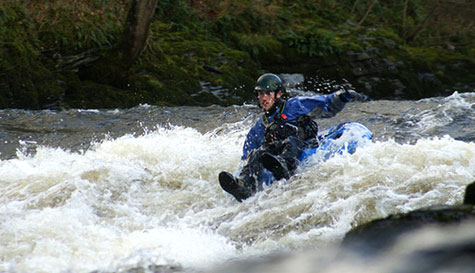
<point>378,235</point>
<point>447,258</point>
<point>469,198</point>
<point>429,81</point>
<point>212,69</point>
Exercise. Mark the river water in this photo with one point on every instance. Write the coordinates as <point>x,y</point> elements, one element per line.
<point>114,190</point>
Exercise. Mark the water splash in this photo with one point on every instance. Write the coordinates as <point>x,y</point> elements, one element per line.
<point>153,198</point>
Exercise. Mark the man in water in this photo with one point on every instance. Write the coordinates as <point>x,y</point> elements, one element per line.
<point>278,138</point>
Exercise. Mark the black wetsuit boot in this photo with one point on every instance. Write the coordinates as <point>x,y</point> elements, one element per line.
<point>245,186</point>
<point>235,186</point>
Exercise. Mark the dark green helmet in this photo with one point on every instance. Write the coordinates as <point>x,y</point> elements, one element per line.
<point>270,82</point>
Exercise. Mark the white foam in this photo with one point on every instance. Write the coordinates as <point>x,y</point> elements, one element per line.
<point>447,111</point>
<point>155,199</point>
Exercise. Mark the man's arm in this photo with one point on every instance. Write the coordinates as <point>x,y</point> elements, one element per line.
<point>331,104</point>
<point>254,139</point>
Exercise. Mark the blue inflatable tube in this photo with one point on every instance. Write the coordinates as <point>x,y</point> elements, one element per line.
<point>338,139</point>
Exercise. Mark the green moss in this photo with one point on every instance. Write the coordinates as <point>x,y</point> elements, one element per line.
<point>445,63</point>
<point>87,94</point>
<point>257,44</point>
<point>180,58</point>
<point>223,43</point>
<point>449,67</point>
<point>385,33</point>
<point>311,41</point>
<point>26,82</point>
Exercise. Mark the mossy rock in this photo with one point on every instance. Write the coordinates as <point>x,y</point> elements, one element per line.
<point>150,89</point>
<point>92,95</point>
<point>435,71</point>
<point>180,58</point>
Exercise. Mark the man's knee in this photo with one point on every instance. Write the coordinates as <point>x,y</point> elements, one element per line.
<point>295,141</point>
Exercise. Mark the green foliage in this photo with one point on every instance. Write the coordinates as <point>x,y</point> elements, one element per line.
<point>247,17</point>
<point>67,27</point>
<point>257,44</point>
<point>176,11</point>
<point>312,42</point>
<point>420,22</point>
<point>24,80</point>
<point>222,42</point>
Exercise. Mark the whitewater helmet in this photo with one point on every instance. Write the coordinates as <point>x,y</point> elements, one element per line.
<point>269,82</point>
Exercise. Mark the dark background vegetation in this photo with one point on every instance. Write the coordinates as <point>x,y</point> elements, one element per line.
<point>59,54</point>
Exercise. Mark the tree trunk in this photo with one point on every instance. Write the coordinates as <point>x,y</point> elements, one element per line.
<point>404,15</point>
<point>353,8</point>
<point>135,33</point>
<point>114,65</point>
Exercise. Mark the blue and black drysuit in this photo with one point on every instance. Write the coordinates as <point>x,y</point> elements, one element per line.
<point>288,148</point>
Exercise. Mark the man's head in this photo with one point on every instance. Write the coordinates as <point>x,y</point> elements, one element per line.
<point>269,89</point>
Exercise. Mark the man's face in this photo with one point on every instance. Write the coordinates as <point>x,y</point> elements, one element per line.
<point>267,98</point>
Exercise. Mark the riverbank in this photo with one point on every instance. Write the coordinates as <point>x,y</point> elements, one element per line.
<point>211,52</point>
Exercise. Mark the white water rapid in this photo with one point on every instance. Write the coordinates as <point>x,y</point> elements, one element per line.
<point>154,199</point>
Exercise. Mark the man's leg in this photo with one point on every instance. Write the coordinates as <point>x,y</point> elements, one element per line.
<point>249,179</point>
<point>252,170</point>
<point>283,160</point>
<point>291,150</point>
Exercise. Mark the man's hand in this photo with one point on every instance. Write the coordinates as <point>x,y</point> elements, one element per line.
<point>351,95</point>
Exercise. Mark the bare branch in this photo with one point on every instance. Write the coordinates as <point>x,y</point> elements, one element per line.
<point>367,12</point>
